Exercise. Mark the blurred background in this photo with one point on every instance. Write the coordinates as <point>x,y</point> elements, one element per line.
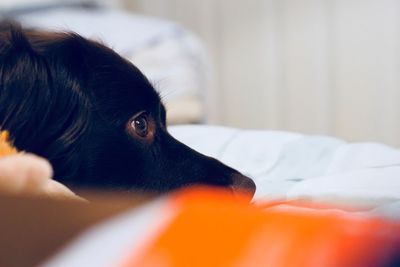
<point>311,66</point>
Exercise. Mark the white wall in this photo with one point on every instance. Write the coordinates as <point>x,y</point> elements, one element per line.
<point>314,66</point>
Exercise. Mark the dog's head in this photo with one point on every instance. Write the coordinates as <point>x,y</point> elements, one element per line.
<point>95,117</point>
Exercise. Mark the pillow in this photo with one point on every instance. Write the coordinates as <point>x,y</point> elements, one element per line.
<point>171,57</point>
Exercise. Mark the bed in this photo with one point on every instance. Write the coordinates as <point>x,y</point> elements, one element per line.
<point>320,201</point>
<point>288,165</point>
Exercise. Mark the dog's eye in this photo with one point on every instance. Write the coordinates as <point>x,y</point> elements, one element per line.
<point>140,125</point>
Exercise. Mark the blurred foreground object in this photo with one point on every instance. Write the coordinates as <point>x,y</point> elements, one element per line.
<point>5,147</point>
<point>207,227</point>
<point>27,174</point>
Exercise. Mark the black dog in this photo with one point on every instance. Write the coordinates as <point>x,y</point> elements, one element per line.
<point>95,117</point>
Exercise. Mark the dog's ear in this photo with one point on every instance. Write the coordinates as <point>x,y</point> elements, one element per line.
<point>42,103</point>
<point>24,84</point>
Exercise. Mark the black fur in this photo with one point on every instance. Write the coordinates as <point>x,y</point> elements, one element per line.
<point>71,100</point>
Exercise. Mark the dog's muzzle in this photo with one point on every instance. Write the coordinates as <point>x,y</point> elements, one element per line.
<point>243,186</point>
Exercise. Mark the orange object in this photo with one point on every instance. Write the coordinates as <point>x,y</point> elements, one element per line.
<point>213,229</point>
<point>6,147</point>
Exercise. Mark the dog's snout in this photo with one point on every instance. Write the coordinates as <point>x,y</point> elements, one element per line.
<point>243,185</point>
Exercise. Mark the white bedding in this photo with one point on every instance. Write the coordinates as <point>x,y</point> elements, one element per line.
<point>288,165</point>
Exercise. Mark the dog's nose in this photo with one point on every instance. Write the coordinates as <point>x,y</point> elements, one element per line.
<point>243,186</point>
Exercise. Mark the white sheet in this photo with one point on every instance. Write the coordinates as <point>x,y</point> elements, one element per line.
<point>288,165</point>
